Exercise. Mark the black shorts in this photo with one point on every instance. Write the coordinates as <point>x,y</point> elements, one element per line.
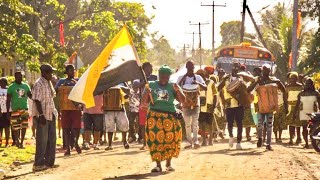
<point>93,122</point>
<point>206,118</point>
<point>4,121</point>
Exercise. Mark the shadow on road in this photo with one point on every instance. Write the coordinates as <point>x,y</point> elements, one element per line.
<point>234,152</point>
<point>139,176</point>
<point>17,176</point>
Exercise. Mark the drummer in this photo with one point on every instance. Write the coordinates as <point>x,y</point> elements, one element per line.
<point>191,114</point>
<point>70,119</point>
<point>264,80</point>
<point>308,102</point>
<point>234,111</point>
<point>117,118</point>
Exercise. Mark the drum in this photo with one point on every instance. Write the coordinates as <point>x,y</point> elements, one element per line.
<point>112,100</point>
<point>64,102</point>
<point>191,92</point>
<point>238,90</point>
<point>267,98</point>
<point>308,105</point>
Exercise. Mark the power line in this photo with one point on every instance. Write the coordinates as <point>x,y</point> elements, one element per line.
<point>213,6</point>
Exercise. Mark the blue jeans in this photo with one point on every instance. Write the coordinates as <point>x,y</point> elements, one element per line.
<point>268,118</point>
<point>45,143</point>
<point>191,119</point>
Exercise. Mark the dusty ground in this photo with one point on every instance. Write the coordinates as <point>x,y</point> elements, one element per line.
<point>211,162</point>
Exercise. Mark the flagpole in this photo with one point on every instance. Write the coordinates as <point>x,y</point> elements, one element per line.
<point>139,64</point>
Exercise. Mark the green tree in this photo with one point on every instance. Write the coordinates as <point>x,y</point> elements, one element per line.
<point>311,9</point>
<point>230,33</point>
<point>277,32</point>
<point>162,53</point>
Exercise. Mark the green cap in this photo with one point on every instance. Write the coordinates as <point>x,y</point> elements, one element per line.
<point>165,69</point>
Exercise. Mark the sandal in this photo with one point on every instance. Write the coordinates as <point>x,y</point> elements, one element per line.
<point>143,148</point>
<point>170,169</point>
<point>156,170</point>
<point>109,148</point>
<point>126,146</point>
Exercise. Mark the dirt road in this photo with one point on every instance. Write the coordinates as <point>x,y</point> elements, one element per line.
<point>211,162</point>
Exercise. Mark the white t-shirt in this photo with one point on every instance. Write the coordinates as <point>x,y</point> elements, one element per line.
<point>189,80</point>
<point>3,100</point>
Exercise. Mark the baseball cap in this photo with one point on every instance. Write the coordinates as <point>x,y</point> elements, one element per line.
<point>46,68</point>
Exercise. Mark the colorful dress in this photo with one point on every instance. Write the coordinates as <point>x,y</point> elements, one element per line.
<point>163,130</point>
<point>292,101</point>
<point>280,121</point>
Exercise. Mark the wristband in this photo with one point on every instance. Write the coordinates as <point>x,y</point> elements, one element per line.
<point>41,115</point>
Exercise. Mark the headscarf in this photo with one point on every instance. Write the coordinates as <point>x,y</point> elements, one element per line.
<point>165,69</point>
<point>209,69</point>
<point>201,73</point>
<point>293,74</point>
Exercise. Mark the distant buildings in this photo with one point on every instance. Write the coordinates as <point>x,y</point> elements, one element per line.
<point>8,68</point>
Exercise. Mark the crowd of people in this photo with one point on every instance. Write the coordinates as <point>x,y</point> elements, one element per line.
<point>155,113</point>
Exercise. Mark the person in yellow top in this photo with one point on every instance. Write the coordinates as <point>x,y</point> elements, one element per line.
<point>208,102</point>
<point>293,88</point>
<point>234,110</point>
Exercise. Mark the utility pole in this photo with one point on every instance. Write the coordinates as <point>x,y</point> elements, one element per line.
<point>200,48</point>
<point>193,50</point>
<point>213,6</point>
<point>244,6</point>
<point>294,36</point>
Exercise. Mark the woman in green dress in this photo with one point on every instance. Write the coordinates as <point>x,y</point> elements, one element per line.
<point>163,128</point>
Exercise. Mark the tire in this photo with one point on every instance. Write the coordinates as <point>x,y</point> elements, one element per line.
<point>315,142</point>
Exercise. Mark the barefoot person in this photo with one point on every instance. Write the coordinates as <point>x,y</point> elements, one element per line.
<point>115,115</point>
<point>293,89</point>
<point>17,99</point>
<point>265,79</point>
<point>234,110</point>
<point>43,111</point>
<point>70,119</point>
<point>308,102</point>
<point>191,107</point>
<point>4,120</point>
<point>163,129</point>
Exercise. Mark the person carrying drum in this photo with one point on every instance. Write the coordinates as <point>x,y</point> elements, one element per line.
<point>267,103</point>
<point>308,102</point>
<point>17,99</point>
<point>71,115</point>
<point>115,115</point>
<point>208,102</point>
<point>234,110</point>
<point>93,120</point>
<point>191,83</point>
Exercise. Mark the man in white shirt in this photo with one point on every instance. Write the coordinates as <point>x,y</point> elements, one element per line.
<point>191,108</point>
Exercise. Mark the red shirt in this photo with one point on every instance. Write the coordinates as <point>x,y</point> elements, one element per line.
<point>97,109</point>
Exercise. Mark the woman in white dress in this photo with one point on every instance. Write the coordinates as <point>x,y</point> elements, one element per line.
<point>308,102</point>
